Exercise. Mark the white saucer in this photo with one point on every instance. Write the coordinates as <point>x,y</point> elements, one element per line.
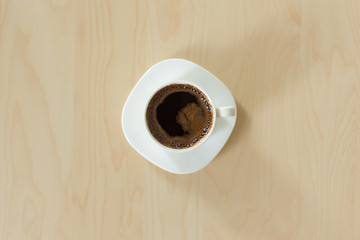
<point>133,118</point>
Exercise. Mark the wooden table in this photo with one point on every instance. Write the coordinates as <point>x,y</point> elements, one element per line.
<point>290,170</point>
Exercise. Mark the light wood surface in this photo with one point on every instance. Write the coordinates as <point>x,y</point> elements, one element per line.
<point>290,170</point>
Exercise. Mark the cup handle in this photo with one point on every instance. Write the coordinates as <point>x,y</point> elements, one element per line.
<point>225,112</point>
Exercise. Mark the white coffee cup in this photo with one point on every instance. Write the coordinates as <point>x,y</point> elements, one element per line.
<point>220,112</point>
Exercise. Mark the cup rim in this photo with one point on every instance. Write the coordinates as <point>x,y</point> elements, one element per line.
<point>199,143</point>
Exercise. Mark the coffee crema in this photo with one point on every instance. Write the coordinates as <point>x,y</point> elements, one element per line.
<point>179,115</point>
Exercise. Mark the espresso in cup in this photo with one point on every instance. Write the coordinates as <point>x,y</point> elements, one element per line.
<point>179,116</point>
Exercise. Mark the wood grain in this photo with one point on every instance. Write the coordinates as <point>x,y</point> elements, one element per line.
<point>290,170</point>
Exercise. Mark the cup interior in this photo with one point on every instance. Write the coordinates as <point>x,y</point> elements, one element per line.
<point>202,139</point>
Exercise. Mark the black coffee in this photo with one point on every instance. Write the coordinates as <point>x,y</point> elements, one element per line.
<point>179,115</point>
